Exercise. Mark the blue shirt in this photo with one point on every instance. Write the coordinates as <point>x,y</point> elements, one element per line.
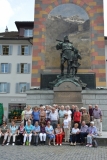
<point>28,129</point>
<point>49,129</point>
<point>36,128</point>
<point>13,129</point>
<point>36,115</point>
<point>92,130</point>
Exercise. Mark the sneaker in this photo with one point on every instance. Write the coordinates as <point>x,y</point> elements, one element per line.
<point>57,144</point>
<point>75,144</point>
<point>60,144</point>
<point>29,143</point>
<point>23,144</point>
<point>71,144</point>
<point>7,144</point>
<point>87,145</point>
<point>90,145</point>
<point>13,144</point>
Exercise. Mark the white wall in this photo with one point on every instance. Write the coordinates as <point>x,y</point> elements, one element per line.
<point>14,77</point>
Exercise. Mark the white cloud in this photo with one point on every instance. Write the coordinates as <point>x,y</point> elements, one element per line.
<point>6,13</point>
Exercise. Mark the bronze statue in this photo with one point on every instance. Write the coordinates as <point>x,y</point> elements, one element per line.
<point>75,65</point>
<point>69,54</point>
<point>66,55</point>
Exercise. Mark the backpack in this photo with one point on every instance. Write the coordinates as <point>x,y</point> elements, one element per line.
<point>18,140</point>
<point>94,143</point>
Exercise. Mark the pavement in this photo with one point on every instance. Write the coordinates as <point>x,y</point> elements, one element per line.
<point>64,152</point>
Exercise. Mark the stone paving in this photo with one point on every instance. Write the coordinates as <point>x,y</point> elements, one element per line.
<point>64,152</point>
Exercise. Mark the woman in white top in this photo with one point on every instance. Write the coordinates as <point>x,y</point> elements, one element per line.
<point>68,111</point>
<point>74,134</point>
<point>27,114</point>
<point>66,126</point>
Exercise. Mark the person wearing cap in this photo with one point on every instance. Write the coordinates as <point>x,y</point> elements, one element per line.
<point>92,133</point>
<point>97,116</point>
<point>66,126</point>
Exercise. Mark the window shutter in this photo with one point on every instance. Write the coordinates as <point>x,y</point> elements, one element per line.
<point>21,32</point>
<point>1,50</point>
<point>17,87</point>
<point>30,49</point>
<point>18,68</point>
<point>28,68</point>
<point>8,87</point>
<point>9,67</point>
<point>19,50</point>
<point>27,86</point>
<point>10,49</point>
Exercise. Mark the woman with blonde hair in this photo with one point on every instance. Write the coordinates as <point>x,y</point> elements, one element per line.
<point>28,132</point>
<point>58,133</point>
<point>27,114</point>
<point>66,126</point>
<point>74,134</point>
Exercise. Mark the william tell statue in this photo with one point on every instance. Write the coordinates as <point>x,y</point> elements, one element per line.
<point>69,54</point>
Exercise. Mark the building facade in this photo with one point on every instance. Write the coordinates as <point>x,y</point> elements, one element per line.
<point>15,68</point>
<point>40,58</point>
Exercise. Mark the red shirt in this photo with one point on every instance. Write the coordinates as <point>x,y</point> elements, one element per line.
<point>77,116</point>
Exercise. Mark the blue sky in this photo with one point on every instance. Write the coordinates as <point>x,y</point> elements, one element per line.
<point>15,10</point>
<point>23,10</point>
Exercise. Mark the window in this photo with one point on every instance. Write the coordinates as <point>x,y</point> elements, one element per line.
<point>5,50</point>
<point>24,50</point>
<point>4,67</point>
<point>28,33</point>
<point>4,87</point>
<point>23,68</point>
<point>22,87</point>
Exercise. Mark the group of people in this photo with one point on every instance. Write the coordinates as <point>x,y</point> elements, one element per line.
<point>55,123</point>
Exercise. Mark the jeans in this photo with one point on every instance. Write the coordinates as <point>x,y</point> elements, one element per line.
<point>42,136</point>
<point>73,138</point>
<point>82,136</point>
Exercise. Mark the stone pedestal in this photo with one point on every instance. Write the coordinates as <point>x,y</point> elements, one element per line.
<point>68,93</point>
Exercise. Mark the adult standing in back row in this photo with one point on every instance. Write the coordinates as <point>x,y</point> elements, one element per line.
<point>97,116</point>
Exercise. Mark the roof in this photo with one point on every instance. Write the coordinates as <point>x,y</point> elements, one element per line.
<point>25,24</point>
<point>11,34</point>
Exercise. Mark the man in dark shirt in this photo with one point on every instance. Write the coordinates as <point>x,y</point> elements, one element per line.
<point>91,112</point>
<point>72,110</point>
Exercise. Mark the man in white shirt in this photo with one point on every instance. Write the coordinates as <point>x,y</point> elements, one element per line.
<point>54,118</point>
<point>68,111</point>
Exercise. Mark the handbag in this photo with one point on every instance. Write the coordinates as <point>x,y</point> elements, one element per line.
<point>94,143</point>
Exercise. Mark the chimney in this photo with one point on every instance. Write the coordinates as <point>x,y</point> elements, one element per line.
<point>6,30</point>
